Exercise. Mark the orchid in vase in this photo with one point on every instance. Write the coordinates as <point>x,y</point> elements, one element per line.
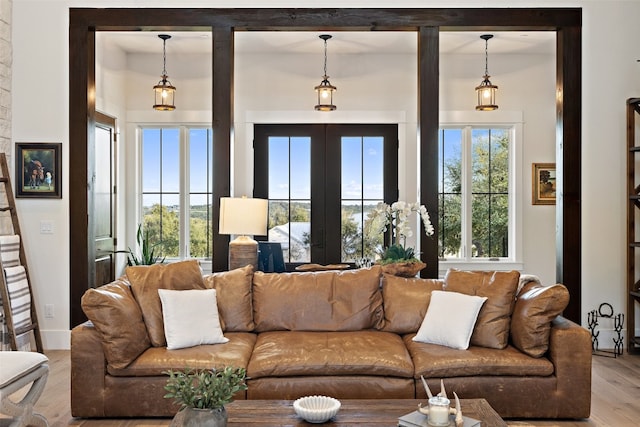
<point>397,217</point>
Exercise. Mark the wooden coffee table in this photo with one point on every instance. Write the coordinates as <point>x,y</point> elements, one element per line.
<point>374,412</point>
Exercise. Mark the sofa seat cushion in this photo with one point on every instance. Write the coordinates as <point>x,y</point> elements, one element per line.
<point>436,361</point>
<point>372,353</point>
<point>155,360</point>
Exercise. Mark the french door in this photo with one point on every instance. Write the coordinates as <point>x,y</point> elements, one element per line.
<point>322,181</point>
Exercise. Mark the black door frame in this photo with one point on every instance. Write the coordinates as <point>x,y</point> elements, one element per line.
<point>566,22</point>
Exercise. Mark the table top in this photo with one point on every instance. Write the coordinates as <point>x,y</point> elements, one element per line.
<point>363,412</point>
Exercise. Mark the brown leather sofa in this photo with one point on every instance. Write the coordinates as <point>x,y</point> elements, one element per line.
<point>345,334</point>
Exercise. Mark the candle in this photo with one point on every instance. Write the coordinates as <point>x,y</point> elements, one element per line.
<point>438,411</point>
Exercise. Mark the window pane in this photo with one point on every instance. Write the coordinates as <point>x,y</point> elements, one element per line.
<point>300,168</point>
<point>199,160</point>
<point>480,160</point>
<point>450,223</point>
<point>490,225</point>
<point>151,160</point>
<point>450,161</point>
<point>499,161</point>
<point>450,194</point>
<point>170,160</point>
<point>200,226</point>
<point>290,224</point>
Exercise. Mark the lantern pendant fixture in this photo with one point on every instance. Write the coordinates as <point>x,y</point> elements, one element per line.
<point>486,91</point>
<point>325,89</point>
<point>164,91</point>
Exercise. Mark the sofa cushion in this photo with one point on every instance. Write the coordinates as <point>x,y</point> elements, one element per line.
<point>233,291</point>
<point>405,302</point>
<point>450,319</point>
<point>290,353</point>
<point>147,279</point>
<point>492,327</point>
<point>437,361</point>
<point>535,308</point>
<point>348,300</point>
<point>155,360</point>
<point>190,318</point>
<point>118,319</point>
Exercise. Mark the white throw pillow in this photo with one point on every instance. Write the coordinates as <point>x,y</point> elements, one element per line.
<point>450,319</point>
<point>190,318</point>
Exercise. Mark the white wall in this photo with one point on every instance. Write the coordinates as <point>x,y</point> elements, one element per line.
<point>40,80</point>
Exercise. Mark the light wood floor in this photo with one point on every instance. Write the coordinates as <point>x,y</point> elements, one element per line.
<point>615,397</point>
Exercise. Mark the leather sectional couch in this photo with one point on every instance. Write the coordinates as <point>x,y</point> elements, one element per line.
<point>346,334</point>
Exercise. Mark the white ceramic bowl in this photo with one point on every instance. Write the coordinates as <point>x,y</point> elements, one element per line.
<point>316,409</point>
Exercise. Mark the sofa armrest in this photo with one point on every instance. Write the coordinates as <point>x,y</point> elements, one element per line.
<point>88,371</point>
<point>570,353</point>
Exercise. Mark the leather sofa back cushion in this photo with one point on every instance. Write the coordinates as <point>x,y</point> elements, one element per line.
<point>348,300</point>
<point>492,326</point>
<point>535,308</point>
<point>406,301</point>
<point>147,279</point>
<point>117,317</point>
<point>233,291</point>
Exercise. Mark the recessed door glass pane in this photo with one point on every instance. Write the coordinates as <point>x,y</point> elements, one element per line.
<point>300,166</point>
<point>372,168</point>
<point>290,224</point>
<point>278,167</point>
<point>351,186</point>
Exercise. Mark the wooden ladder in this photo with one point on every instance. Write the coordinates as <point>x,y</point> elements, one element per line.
<point>5,181</point>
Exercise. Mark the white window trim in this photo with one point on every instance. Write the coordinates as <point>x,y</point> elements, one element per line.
<point>495,119</point>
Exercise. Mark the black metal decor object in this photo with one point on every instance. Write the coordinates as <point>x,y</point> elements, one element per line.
<point>618,323</point>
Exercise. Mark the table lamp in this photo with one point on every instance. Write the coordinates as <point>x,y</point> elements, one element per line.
<point>243,217</point>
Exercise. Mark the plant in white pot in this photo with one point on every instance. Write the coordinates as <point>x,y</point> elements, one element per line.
<point>203,394</point>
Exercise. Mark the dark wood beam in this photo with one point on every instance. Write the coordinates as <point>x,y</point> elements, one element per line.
<point>81,121</point>
<point>222,122</point>
<point>350,19</point>
<point>569,167</point>
<point>428,124</point>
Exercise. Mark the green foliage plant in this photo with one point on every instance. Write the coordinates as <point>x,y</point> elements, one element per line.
<point>397,253</point>
<point>204,389</point>
<point>147,255</point>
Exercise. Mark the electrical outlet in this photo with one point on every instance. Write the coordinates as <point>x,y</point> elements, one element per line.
<point>48,311</point>
<point>46,227</point>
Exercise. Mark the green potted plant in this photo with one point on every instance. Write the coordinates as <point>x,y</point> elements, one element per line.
<point>203,394</point>
<point>147,255</point>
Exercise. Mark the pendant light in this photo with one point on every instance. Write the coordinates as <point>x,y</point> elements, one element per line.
<point>486,91</point>
<point>325,89</point>
<point>164,91</point>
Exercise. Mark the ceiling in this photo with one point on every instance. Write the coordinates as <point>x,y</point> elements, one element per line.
<point>347,42</point>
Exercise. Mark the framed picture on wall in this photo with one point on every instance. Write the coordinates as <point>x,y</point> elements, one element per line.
<point>38,170</point>
<point>544,184</point>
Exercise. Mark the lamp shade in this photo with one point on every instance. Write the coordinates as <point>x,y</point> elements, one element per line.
<point>243,216</point>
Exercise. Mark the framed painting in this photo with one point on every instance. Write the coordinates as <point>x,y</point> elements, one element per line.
<point>544,184</point>
<point>38,170</point>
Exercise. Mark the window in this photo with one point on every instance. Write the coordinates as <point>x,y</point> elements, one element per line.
<point>322,181</point>
<point>476,193</point>
<point>176,171</point>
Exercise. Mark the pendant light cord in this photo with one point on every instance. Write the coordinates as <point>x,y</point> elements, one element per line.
<point>486,57</point>
<point>164,57</point>
<point>325,58</point>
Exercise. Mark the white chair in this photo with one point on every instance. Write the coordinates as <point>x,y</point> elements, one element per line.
<point>17,370</point>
